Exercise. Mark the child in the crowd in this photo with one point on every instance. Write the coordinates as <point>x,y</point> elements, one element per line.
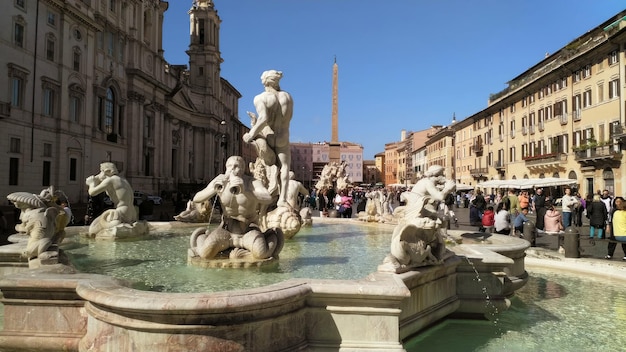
<point>488,219</point>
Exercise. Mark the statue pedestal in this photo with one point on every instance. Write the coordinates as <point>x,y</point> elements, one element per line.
<point>195,260</point>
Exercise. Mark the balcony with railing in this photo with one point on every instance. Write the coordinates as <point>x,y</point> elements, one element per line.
<point>477,147</point>
<point>553,159</point>
<point>577,115</point>
<point>479,172</point>
<point>592,154</point>
<point>531,129</point>
<point>541,126</point>
<point>524,130</point>
<point>563,119</point>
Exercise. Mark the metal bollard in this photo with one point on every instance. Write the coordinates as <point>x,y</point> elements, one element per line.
<point>571,242</point>
<point>530,232</point>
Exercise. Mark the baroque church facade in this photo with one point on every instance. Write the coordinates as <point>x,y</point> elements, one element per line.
<point>86,82</point>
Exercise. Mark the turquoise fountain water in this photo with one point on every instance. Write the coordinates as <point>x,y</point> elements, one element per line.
<point>554,311</point>
<point>335,250</point>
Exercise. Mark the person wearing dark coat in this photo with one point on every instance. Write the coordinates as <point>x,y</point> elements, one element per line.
<point>598,216</point>
<point>539,207</point>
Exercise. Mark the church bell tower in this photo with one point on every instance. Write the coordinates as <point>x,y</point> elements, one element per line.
<point>204,47</point>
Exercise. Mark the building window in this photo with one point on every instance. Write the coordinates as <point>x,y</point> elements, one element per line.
<point>14,164</point>
<point>50,47</point>
<point>600,92</point>
<point>614,89</point>
<point>18,34</point>
<point>147,125</point>
<point>112,5</point>
<point>17,92</point>
<point>20,3</point>
<point>74,108</point>
<point>76,60</point>
<point>47,150</point>
<point>16,145</point>
<point>100,40</point>
<point>45,175</point>
<point>613,57</point>
<point>73,168</point>
<point>120,50</point>
<point>587,98</point>
<point>109,111</point>
<point>587,71</point>
<point>52,19</point>
<point>48,102</point>
<point>76,95</point>
<point>577,75</point>
<point>549,112</point>
<point>110,39</point>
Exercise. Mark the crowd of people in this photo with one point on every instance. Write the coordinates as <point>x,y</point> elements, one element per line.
<point>606,214</point>
<point>350,201</point>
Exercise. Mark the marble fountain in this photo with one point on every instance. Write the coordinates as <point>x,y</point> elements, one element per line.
<point>424,273</point>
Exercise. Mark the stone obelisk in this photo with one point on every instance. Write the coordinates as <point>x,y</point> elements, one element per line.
<point>334,152</point>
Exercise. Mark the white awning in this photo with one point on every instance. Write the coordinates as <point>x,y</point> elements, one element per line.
<point>527,183</point>
<point>464,187</point>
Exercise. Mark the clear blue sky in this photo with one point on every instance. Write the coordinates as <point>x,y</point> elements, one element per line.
<point>403,64</point>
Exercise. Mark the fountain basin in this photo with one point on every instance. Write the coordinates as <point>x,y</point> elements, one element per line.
<point>61,309</point>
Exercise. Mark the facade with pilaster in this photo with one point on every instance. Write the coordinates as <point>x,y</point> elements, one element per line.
<point>88,83</point>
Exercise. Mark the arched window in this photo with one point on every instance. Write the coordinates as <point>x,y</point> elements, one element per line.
<point>109,111</point>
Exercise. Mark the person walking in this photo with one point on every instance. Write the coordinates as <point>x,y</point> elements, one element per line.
<point>617,226</point>
<point>578,215</point>
<point>598,217</point>
<point>511,203</point>
<point>447,208</point>
<point>569,203</point>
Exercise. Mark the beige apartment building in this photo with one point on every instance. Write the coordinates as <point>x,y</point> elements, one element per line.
<point>87,82</point>
<point>563,118</point>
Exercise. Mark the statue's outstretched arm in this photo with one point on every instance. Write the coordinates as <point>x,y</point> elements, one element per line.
<point>210,190</point>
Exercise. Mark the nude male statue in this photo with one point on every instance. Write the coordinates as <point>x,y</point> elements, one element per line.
<point>274,109</point>
<point>241,196</point>
<point>121,194</point>
<point>295,189</point>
